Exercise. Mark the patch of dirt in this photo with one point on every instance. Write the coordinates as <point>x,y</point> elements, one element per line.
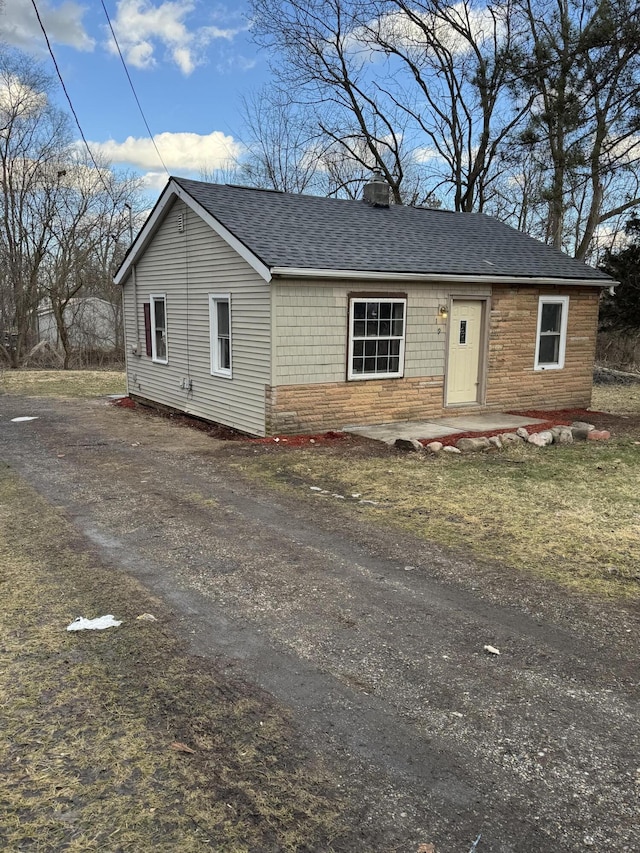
<point>225,433</point>
<point>330,437</point>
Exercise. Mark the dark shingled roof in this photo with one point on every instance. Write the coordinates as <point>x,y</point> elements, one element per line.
<point>310,232</point>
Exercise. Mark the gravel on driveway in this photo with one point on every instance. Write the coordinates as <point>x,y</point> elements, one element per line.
<point>373,638</point>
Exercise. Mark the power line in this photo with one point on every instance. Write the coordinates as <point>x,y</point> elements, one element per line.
<point>64,89</point>
<point>135,95</point>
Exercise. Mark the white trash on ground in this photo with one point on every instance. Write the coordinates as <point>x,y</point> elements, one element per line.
<point>24,418</point>
<point>492,650</point>
<point>99,624</point>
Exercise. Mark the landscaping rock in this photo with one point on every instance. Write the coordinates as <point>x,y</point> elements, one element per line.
<point>411,444</point>
<point>541,439</point>
<point>580,430</point>
<point>496,441</point>
<point>465,445</point>
<point>562,435</point>
<point>509,438</point>
<point>582,425</point>
<point>522,433</point>
<point>434,447</point>
<point>598,435</point>
<point>580,433</point>
<point>448,449</point>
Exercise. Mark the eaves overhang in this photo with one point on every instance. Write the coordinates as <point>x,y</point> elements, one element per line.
<point>437,278</point>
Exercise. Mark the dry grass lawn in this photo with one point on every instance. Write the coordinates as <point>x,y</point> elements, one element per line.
<point>571,514</point>
<point>89,720</point>
<point>62,383</point>
<point>618,399</point>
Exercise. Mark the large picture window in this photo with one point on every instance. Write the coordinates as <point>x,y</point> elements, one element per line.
<point>552,332</point>
<point>158,318</point>
<point>376,337</point>
<point>220,323</point>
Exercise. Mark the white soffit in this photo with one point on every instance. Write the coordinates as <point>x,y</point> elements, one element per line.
<point>434,278</point>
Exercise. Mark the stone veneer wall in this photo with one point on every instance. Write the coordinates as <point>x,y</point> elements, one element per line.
<point>316,408</point>
<point>512,382</point>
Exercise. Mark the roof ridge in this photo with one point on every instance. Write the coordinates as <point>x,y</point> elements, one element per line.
<point>259,189</point>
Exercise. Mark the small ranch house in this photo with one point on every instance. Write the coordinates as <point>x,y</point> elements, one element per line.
<point>278,313</point>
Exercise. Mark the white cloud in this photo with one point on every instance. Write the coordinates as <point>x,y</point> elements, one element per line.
<point>610,236</point>
<point>235,62</point>
<point>425,154</point>
<point>63,23</point>
<point>19,100</point>
<point>400,30</point>
<point>142,26</point>
<point>154,181</point>
<point>181,152</point>
<point>625,151</point>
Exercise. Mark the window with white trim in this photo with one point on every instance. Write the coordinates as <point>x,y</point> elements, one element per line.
<point>376,337</point>
<point>159,352</point>
<point>220,325</point>
<point>551,337</point>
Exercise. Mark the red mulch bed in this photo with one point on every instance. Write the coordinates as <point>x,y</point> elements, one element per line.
<point>562,417</point>
<point>569,415</point>
<point>550,419</point>
<point>124,403</point>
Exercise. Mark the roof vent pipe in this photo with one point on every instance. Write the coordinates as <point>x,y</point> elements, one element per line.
<point>377,191</point>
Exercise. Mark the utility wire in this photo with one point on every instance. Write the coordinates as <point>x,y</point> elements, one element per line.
<point>64,89</point>
<point>135,95</point>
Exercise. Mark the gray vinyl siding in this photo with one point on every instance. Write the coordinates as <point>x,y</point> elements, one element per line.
<point>187,267</point>
<point>311,334</point>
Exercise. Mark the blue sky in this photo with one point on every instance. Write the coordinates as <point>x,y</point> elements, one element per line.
<point>191,61</point>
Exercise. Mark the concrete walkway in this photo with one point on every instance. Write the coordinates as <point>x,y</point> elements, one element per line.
<point>485,422</point>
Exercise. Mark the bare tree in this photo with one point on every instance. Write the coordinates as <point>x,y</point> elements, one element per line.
<point>281,143</point>
<point>518,194</point>
<point>91,220</point>
<point>457,59</point>
<point>33,139</point>
<point>324,69</point>
<point>527,108</point>
<point>412,88</point>
<point>583,70</point>
<point>62,220</point>
<point>285,147</point>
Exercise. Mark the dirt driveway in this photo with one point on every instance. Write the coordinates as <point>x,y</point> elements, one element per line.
<point>373,639</point>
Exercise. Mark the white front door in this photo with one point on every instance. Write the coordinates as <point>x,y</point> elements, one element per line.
<point>464,362</point>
